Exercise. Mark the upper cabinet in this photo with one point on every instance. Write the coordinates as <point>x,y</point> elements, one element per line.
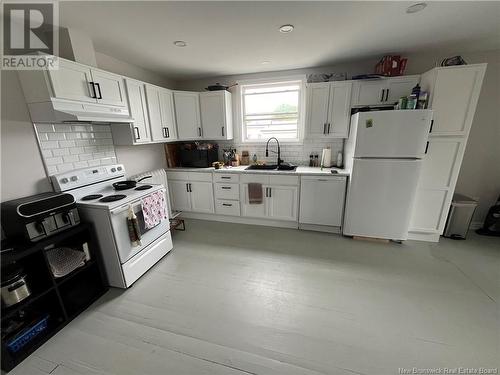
<point>216,115</point>
<point>108,88</point>
<point>72,81</point>
<point>161,114</point>
<point>187,115</point>
<point>328,109</point>
<point>384,91</point>
<point>454,92</point>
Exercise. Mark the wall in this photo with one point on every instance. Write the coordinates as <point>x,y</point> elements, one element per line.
<point>22,171</point>
<point>480,172</point>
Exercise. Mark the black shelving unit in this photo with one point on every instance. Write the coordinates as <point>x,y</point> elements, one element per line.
<point>61,299</point>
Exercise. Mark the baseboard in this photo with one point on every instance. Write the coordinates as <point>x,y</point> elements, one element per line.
<point>422,236</point>
<point>319,228</point>
<point>240,220</point>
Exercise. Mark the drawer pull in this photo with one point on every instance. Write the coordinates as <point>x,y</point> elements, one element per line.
<point>226,187</point>
<point>225,178</point>
<point>227,204</point>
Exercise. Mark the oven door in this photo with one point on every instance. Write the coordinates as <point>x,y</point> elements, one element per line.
<point>119,222</point>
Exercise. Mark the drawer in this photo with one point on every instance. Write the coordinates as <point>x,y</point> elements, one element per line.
<point>284,180</point>
<point>257,178</point>
<point>200,176</point>
<point>323,178</point>
<point>227,191</point>
<point>225,207</point>
<point>226,177</point>
<point>172,175</point>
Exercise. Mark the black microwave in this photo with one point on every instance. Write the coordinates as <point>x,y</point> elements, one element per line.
<point>199,158</point>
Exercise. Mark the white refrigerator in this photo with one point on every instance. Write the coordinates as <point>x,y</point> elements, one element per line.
<point>383,155</point>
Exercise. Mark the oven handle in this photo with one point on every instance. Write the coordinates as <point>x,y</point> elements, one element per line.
<point>125,207</point>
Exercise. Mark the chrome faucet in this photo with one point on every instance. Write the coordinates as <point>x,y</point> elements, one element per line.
<point>279,152</point>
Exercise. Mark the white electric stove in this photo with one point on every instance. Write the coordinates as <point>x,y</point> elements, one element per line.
<point>99,203</point>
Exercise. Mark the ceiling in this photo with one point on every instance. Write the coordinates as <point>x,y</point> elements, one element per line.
<point>235,37</point>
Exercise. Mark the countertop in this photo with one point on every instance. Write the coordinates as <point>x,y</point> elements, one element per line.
<point>301,170</point>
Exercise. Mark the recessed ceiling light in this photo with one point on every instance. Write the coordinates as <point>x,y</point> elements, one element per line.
<point>286,29</point>
<point>265,62</point>
<point>416,8</point>
<point>180,43</point>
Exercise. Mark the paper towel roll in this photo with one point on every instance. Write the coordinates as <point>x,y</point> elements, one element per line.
<point>326,158</point>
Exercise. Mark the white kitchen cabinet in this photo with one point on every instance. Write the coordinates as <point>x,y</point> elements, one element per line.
<point>322,200</point>
<point>138,132</point>
<point>202,197</point>
<point>71,81</point>
<point>216,115</point>
<point>179,195</point>
<point>454,93</point>
<point>187,115</point>
<point>167,115</point>
<point>109,88</point>
<point>191,191</point>
<point>328,109</point>
<point>282,202</point>
<point>383,91</point>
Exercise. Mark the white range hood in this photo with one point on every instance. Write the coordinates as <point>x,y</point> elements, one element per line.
<point>57,111</point>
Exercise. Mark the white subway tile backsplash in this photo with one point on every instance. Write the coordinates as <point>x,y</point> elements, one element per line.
<point>67,144</point>
<point>70,146</point>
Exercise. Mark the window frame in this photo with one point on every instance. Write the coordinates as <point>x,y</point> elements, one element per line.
<point>300,79</point>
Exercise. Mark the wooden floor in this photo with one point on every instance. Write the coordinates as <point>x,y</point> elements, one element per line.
<point>238,299</point>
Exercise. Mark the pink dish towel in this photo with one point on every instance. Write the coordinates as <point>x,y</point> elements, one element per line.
<point>154,209</point>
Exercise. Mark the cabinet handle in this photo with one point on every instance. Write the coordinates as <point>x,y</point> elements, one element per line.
<point>226,187</point>
<point>432,124</point>
<point>270,193</point>
<point>386,94</point>
<point>199,132</point>
<point>382,95</point>
<point>92,92</point>
<point>322,179</point>
<point>324,128</point>
<point>225,178</point>
<point>137,135</point>
<point>190,188</point>
<point>227,204</point>
<point>328,131</point>
<point>168,132</point>
<point>99,88</point>
<point>223,131</point>
<point>426,147</point>
<point>187,188</point>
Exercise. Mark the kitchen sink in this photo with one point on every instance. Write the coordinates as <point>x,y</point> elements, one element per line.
<point>272,167</point>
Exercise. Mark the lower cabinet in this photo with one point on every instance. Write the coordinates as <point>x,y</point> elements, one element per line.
<point>280,197</point>
<point>322,200</point>
<point>189,195</point>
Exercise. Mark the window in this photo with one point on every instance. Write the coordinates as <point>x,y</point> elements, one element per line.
<point>271,110</point>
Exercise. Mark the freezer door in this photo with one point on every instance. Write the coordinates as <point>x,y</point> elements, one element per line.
<point>380,198</point>
<point>392,134</point>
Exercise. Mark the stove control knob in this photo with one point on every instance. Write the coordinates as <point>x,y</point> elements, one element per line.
<point>74,178</point>
<point>64,180</point>
<point>120,168</point>
<point>113,170</point>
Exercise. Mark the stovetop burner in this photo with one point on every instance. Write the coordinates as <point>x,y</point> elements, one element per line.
<point>143,187</point>
<point>112,198</point>
<point>91,197</point>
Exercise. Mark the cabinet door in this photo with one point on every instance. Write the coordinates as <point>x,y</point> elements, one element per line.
<point>213,115</point>
<point>109,88</point>
<point>370,92</point>
<point>399,87</point>
<point>322,200</point>
<point>317,108</point>
<point>202,197</point>
<point>154,112</point>
<point>187,114</point>
<point>72,81</point>
<point>169,129</point>
<point>253,210</point>
<point>180,197</point>
<point>430,210</point>
<point>282,203</point>
<point>454,100</point>
<point>138,110</point>
<point>339,110</point>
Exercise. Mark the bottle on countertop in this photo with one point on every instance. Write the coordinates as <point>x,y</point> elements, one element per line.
<point>316,160</point>
<point>339,160</point>
<point>311,160</point>
<point>254,158</point>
